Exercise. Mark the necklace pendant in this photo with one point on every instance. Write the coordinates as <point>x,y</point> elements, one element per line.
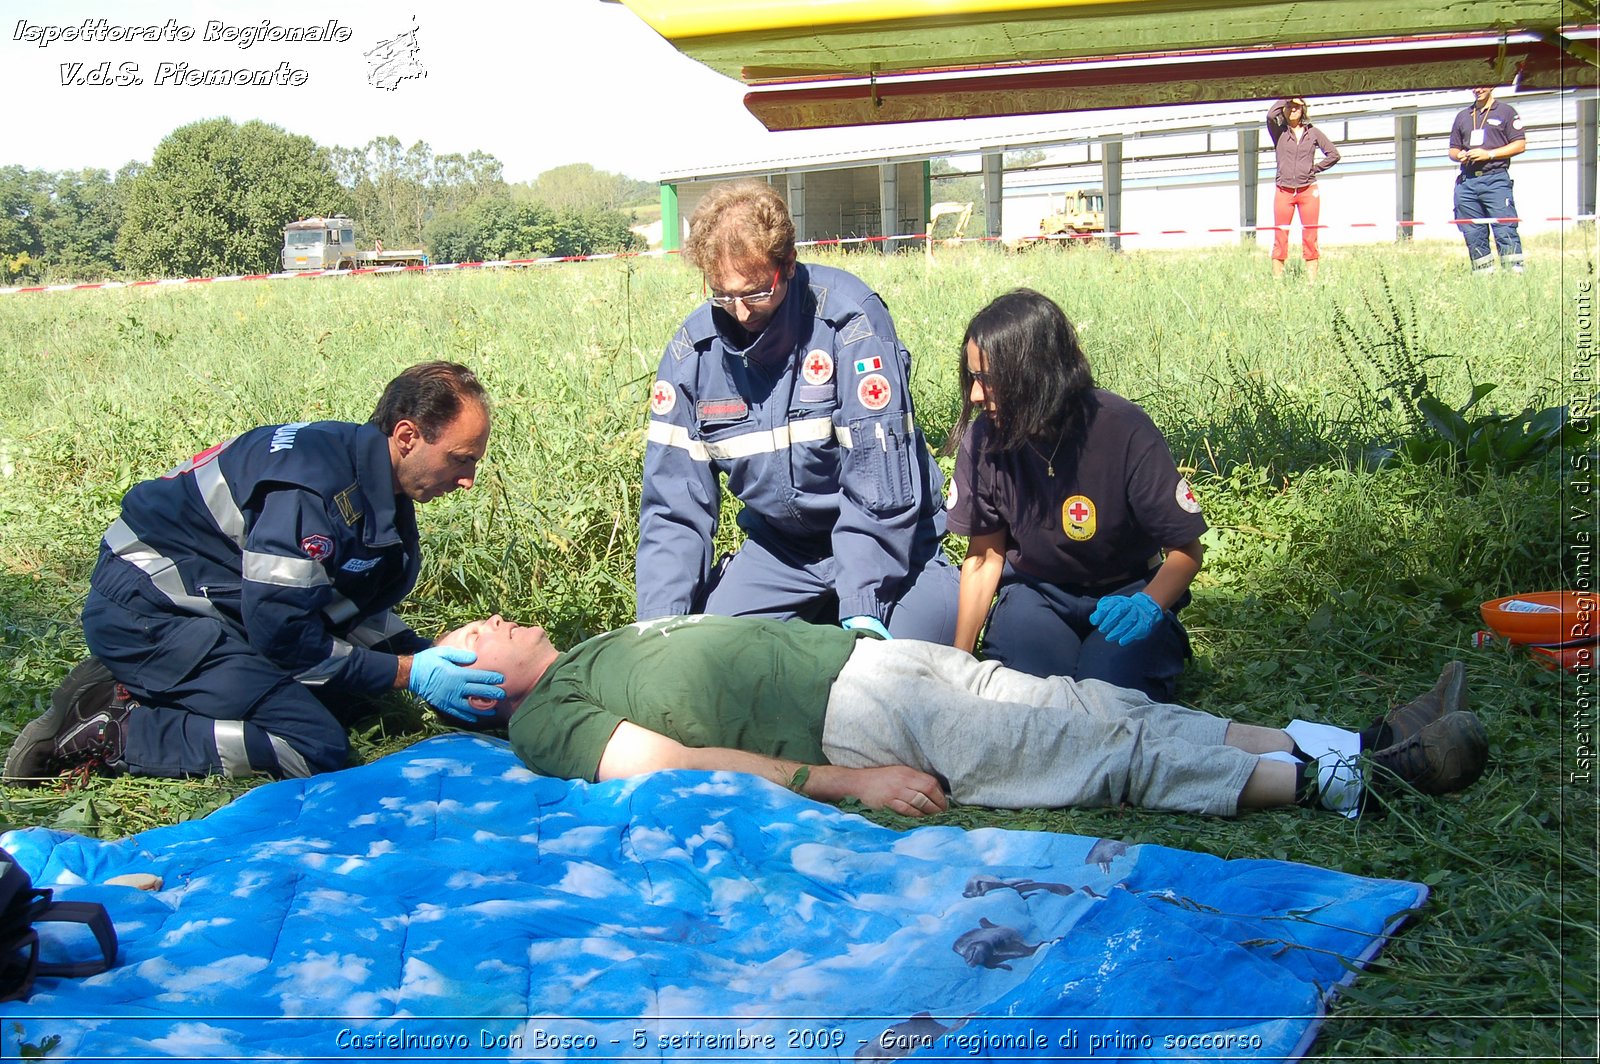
<point>1049,470</point>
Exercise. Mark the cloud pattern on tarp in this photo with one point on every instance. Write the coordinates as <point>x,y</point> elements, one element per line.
<point>444,901</point>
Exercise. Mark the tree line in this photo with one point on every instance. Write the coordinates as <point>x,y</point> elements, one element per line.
<point>215,196</point>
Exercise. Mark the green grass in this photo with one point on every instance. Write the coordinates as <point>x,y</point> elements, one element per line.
<point>1330,591</point>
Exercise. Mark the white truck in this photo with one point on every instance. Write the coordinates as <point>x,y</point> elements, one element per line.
<point>330,244</point>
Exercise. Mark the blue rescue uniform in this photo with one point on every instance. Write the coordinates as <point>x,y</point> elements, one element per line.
<point>1483,190</point>
<point>812,424</point>
<point>245,599</point>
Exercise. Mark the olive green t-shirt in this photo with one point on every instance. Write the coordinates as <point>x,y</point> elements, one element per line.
<point>741,682</point>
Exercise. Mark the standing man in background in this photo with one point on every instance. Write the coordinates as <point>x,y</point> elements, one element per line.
<point>1296,143</point>
<point>1485,137</point>
<point>789,379</point>
<point>241,606</point>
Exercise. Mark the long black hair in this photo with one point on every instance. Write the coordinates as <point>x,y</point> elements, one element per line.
<point>1035,375</point>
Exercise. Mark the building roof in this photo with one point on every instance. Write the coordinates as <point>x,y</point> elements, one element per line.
<point>837,149</point>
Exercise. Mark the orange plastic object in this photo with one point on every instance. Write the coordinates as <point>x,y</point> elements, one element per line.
<point>1545,618</point>
<point>1572,658</point>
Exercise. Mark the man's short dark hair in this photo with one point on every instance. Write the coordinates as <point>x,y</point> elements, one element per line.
<point>429,394</point>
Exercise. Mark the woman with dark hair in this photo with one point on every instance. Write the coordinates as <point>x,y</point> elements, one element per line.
<point>1076,513</point>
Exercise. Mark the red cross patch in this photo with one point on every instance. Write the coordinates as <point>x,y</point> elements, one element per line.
<point>1077,518</point>
<point>663,397</point>
<point>317,548</point>
<point>817,368</point>
<point>874,391</point>
<point>1185,496</point>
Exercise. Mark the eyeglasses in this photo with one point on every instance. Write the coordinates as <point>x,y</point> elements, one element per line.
<point>979,377</point>
<point>751,299</point>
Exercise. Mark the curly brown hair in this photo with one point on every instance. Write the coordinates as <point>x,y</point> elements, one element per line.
<point>737,222</point>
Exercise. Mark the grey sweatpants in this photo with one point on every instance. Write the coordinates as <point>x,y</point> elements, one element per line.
<point>1009,740</point>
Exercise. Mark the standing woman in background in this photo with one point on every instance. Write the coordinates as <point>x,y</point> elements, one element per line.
<point>1297,142</point>
<point>1075,510</point>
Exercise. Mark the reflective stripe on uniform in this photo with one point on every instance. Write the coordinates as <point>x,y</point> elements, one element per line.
<point>281,571</point>
<point>214,492</point>
<point>340,609</point>
<point>162,571</point>
<point>291,766</point>
<point>323,670</point>
<point>231,752</point>
<point>229,736</point>
<point>375,630</point>
<point>745,445</point>
<point>750,444</point>
<point>842,434</point>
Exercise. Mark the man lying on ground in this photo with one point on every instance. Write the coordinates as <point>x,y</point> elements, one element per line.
<point>906,725</point>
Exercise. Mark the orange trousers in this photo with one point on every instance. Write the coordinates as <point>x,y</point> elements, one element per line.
<point>1309,201</point>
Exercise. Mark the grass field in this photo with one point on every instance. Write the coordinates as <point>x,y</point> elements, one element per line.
<point>1332,589</point>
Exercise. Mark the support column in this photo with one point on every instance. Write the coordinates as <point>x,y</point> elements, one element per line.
<point>797,204</point>
<point>888,204</point>
<point>1249,183</point>
<point>1586,155</point>
<point>1111,181</point>
<point>1405,175</point>
<point>994,191</point>
<point>671,226</point>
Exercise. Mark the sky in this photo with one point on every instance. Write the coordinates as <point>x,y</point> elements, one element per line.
<point>537,84</point>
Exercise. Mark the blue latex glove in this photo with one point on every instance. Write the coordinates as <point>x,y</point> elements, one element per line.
<point>867,623</point>
<point>1125,619</point>
<point>438,679</point>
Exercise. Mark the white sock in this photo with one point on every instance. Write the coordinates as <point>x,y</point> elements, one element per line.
<point>1336,752</point>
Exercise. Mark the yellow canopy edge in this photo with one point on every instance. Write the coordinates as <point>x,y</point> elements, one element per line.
<point>768,41</point>
<point>681,19</point>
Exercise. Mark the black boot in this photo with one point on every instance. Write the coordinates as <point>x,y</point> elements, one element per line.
<point>85,727</point>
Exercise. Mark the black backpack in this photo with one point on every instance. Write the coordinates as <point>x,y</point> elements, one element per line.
<point>21,906</point>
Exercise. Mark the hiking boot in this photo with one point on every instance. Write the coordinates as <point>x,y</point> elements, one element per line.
<point>1446,755</point>
<point>84,728</point>
<point>1448,695</point>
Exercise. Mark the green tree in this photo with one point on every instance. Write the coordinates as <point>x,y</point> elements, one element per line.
<point>20,243</point>
<point>217,195</point>
<point>1023,158</point>
<point>502,228</point>
<point>579,187</point>
<point>396,191</point>
<point>958,186</point>
<point>78,227</point>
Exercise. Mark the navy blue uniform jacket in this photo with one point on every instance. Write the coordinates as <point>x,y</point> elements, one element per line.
<point>290,534</point>
<point>812,425</point>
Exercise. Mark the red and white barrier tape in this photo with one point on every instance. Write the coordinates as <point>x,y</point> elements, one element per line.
<point>833,242</point>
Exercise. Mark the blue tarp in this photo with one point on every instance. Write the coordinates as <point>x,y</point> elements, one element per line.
<point>446,902</point>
